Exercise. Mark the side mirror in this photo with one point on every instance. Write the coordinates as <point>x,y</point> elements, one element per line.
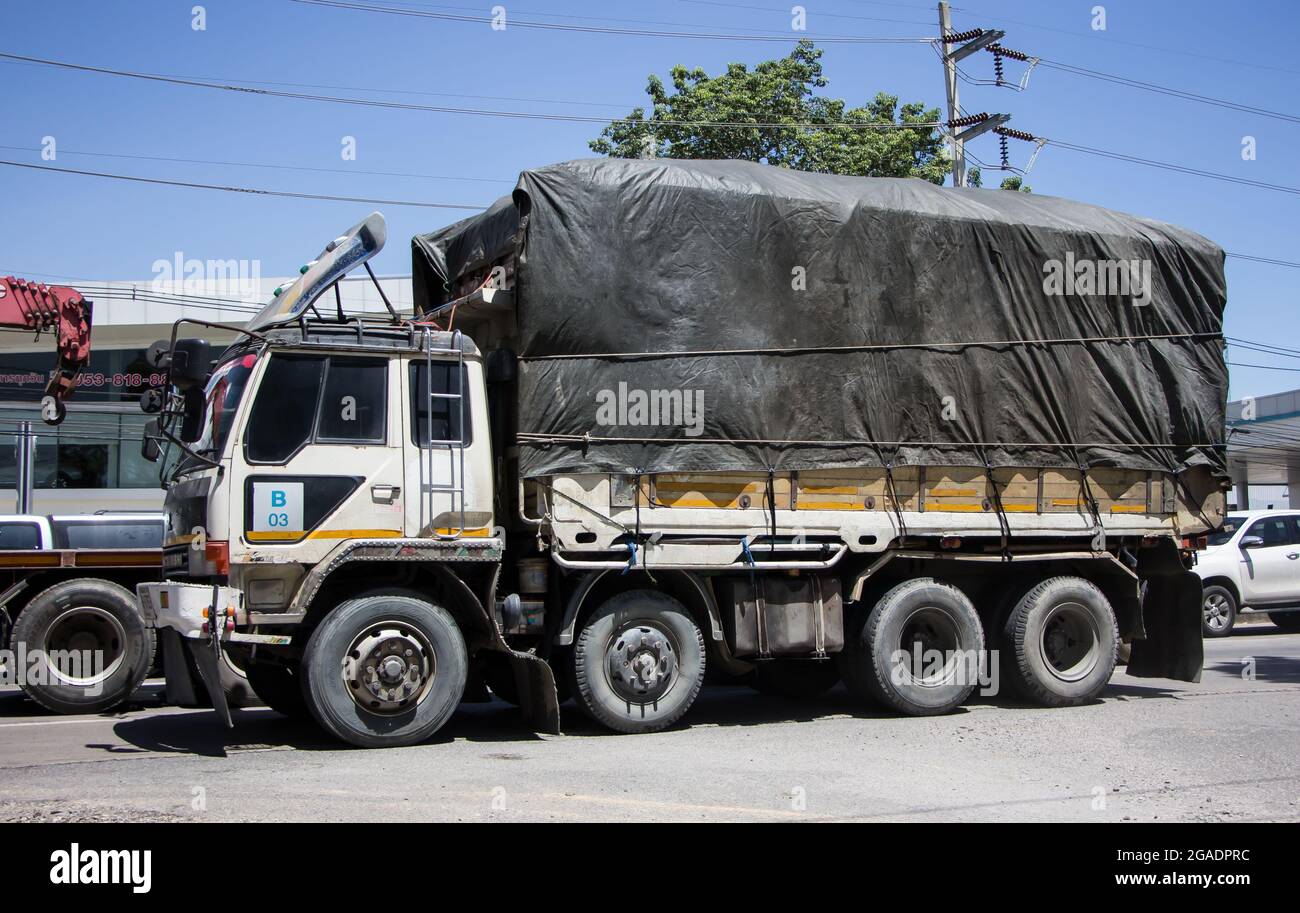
<point>1250,542</point>
<point>188,361</point>
<point>192,417</point>
<point>149,448</point>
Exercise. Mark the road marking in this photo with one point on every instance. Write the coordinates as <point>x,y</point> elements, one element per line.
<point>115,719</point>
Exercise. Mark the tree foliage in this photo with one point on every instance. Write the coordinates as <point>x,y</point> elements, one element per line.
<point>772,95</point>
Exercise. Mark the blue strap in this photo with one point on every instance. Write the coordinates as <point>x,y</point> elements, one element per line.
<point>631,561</point>
<point>744,548</point>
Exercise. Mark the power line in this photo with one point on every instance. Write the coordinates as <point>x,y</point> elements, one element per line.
<point>1096,36</point>
<point>1262,350</point>
<point>1291,263</point>
<point>819,14</point>
<point>1268,345</point>
<point>1238,364</point>
<point>604,30</point>
<point>1167,90</point>
<point>481,112</point>
<point>1170,166</point>
<point>188,161</point>
<point>376,201</point>
<point>256,191</point>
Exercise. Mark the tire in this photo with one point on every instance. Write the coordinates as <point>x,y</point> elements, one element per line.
<point>429,668</point>
<point>1060,643</point>
<point>1287,621</point>
<point>280,688</point>
<point>71,619</point>
<point>1218,611</point>
<point>799,679</point>
<point>638,663</point>
<point>924,612</point>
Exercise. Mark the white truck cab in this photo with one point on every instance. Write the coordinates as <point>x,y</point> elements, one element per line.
<point>1252,565</point>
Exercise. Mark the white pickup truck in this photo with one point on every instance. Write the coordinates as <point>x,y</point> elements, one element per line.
<point>1252,565</point>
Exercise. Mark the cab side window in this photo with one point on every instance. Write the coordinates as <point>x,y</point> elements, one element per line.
<point>313,399</point>
<point>354,400</point>
<point>437,420</point>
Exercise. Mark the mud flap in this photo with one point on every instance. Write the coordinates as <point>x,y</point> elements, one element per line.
<point>181,658</point>
<point>1171,614</point>
<point>207,656</point>
<point>538,700</point>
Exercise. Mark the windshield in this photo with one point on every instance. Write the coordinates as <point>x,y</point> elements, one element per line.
<point>1230,527</point>
<point>222,395</point>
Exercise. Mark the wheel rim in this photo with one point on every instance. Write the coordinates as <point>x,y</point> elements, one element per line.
<point>84,646</point>
<point>641,663</point>
<point>927,630</point>
<point>389,668</point>
<point>1216,612</point>
<point>1070,643</point>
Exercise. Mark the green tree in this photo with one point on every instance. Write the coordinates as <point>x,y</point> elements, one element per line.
<point>1015,182</point>
<point>773,94</point>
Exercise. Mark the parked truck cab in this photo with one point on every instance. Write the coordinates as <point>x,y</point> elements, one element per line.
<point>348,515</point>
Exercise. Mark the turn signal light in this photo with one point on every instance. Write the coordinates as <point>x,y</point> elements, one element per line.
<point>217,553</point>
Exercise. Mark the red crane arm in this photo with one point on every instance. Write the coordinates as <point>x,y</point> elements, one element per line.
<point>36,306</point>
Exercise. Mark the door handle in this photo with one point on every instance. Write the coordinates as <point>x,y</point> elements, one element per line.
<point>1294,555</point>
<point>386,494</point>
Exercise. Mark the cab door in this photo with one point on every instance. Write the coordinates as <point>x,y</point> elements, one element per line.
<point>320,458</point>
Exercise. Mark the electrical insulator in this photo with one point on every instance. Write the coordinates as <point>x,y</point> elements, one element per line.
<point>1015,134</point>
<point>968,35</point>
<point>997,68</point>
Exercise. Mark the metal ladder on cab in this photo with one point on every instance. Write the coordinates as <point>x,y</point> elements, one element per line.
<point>454,487</point>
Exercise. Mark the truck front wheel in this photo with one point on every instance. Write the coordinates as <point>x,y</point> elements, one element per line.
<point>918,650</point>
<point>385,671</point>
<point>639,662</point>
<point>87,646</point>
<point>1060,643</point>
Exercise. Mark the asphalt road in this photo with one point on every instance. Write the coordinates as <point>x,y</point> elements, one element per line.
<point>1227,749</point>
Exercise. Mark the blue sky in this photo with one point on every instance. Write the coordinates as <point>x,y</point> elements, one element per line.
<point>90,227</point>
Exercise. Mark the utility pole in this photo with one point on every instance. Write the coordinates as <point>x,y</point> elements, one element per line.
<point>954,108</point>
<point>25,453</point>
<point>974,40</point>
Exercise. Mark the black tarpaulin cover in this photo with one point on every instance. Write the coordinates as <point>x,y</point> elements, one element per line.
<point>774,319</point>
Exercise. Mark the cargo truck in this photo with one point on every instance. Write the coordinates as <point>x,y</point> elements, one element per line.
<point>651,420</point>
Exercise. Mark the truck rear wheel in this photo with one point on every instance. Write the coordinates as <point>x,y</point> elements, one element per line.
<point>87,645</point>
<point>639,662</point>
<point>385,671</point>
<point>917,651</point>
<point>1060,643</point>
<point>280,688</point>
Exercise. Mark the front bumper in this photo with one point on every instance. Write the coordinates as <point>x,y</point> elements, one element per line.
<point>188,608</point>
